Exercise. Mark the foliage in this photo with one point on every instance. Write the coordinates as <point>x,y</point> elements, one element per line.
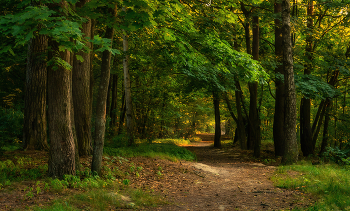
<point>10,171</point>
<point>330,182</point>
<point>11,123</point>
<point>314,87</point>
<point>167,151</point>
<point>338,155</point>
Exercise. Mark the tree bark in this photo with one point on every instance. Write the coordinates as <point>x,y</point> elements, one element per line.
<point>278,132</point>
<point>291,148</point>
<point>242,137</point>
<point>325,131</point>
<point>114,103</point>
<point>81,92</point>
<point>35,125</point>
<point>62,149</point>
<point>305,107</point>
<point>127,86</point>
<point>254,121</point>
<point>217,137</point>
<point>122,115</point>
<point>108,105</point>
<point>100,125</point>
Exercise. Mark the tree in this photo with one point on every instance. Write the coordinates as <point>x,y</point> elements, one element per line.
<point>278,121</point>
<point>81,91</point>
<point>100,125</point>
<point>62,149</point>
<point>35,125</point>
<point>127,87</point>
<point>217,137</point>
<point>290,148</point>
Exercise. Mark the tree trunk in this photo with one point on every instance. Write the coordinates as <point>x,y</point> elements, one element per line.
<point>217,137</point>
<point>76,152</point>
<point>62,149</point>
<point>114,104</point>
<point>100,125</point>
<point>325,131</point>
<point>278,132</point>
<point>305,107</point>
<point>242,137</point>
<point>81,92</point>
<point>291,148</point>
<point>254,121</point>
<point>122,115</point>
<point>127,86</point>
<point>34,129</point>
<point>108,104</point>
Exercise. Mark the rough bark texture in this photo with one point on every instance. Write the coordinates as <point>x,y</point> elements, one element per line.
<point>127,86</point>
<point>100,125</point>
<point>81,93</point>
<point>34,129</point>
<point>62,149</point>
<point>217,137</point>
<point>291,148</point>
<point>305,107</point>
<point>278,132</point>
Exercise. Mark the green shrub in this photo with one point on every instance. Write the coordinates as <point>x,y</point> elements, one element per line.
<point>337,155</point>
<point>11,125</point>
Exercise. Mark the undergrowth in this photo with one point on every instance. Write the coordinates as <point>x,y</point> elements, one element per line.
<point>86,190</point>
<point>331,183</point>
<point>166,151</point>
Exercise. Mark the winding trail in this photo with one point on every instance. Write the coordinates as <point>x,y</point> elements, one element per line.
<point>227,180</point>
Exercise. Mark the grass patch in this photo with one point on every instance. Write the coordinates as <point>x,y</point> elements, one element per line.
<point>166,151</point>
<point>22,169</point>
<point>331,183</point>
<point>172,141</point>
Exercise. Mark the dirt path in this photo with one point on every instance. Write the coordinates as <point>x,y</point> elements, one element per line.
<point>227,180</point>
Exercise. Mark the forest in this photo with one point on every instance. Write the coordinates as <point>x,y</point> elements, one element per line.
<point>83,79</point>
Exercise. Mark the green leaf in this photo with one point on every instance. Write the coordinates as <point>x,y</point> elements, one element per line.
<point>80,58</point>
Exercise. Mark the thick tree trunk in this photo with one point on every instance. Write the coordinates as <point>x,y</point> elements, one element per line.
<point>81,92</point>
<point>305,107</point>
<point>127,86</point>
<point>291,148</point>
<point>278,132</point>
<point>62,149</point>
<point>100,125</point>
<point>217,137</point>
<point>34,129</point>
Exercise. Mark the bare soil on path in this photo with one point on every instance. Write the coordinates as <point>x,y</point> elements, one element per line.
<point>228,179</point>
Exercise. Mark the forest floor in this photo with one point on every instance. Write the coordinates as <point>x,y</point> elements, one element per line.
<point>231,179</point>
<point>221,179</point>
